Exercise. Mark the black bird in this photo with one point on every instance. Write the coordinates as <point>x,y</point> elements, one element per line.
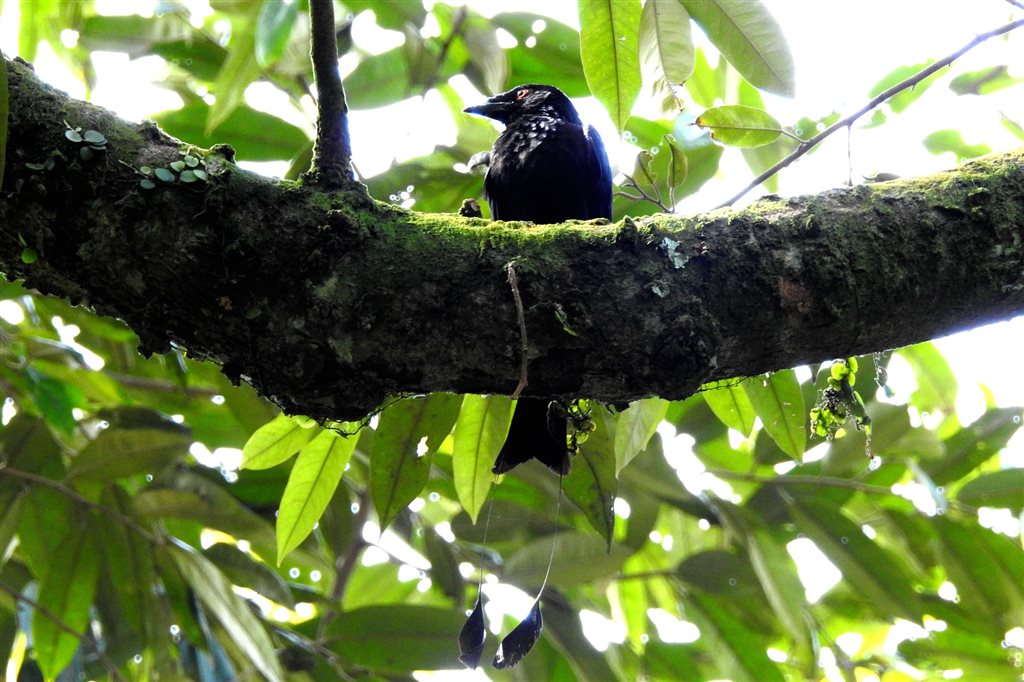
<point>545,167</point>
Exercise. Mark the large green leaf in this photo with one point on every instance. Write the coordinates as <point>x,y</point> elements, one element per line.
<point>634,428</point>
<point>273,28</point>
<point>666,46</point>
<point>554,58</point>
<point>255,135</point>
<point>243,570</point>
<point>998,489</point>
<point>779,403</point>
<point>239,70</point>
<point>936,385</point>
<point>609,47</point>
<point>987,569</point>
<point>66,593</point>
<point>479,434</point>
<point>877,576</point>
<point>972,445</point>
<point>276,441</point>
<point>747,35</point>
<point>247,633</point>
<point>397,638</point>
<point>316,473</point>
<point>951,140</point>
<point>738,652</point>
<point>591,482</point>
<point>118,452</point>
<point>730,403</point>
<point>740,126</point>
<point>977,656</point>
<point>397,471</point>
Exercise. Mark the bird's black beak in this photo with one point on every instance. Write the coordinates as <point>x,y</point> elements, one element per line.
<point>495,110</point>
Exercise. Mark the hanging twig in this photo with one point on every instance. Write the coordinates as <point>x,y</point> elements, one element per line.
<point>889,93</point>
<point>332,154</point>
<point>524,347</point>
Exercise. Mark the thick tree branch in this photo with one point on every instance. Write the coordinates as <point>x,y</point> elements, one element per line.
<point>332,153</point>
<point>327,305</point>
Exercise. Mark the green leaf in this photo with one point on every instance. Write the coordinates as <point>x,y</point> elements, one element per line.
<point>905,98</point>
<point>738,652</point>
<point>67,593</point>
<point>378,80</point>
<point>985,567</point>
<point>876,576</point>
<point>634,429</point>
<point>555,58</point>
<point>592,483</point>
<point>318,468</point>
<point>255,135</point>
<point>609,47</point>
<point>729,402</point>
<point>239,70</point>
<point>397,471</point>
<point>983,81</point>
<point>579,558</point>
<point>244,571</point>
<point>747,35</point>
<point>246,631</point>
<point>949,140</point>
<point>273,28</point>
<point>666,46</point>
<point>779,403</point>
<point>707,84</point>
<point>444,566</point>
<point>977,656</point>
<point>998,489</point>
<point>128,569</point>
<point>117,452</point>
<point>274,442</point>
<point>740,126</point>
<point>479,434</point>
<point>397,638</point>
<point>972,445</point>
<point>163,175</point>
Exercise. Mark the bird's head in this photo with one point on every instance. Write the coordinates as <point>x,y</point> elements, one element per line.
<point>526,100</point>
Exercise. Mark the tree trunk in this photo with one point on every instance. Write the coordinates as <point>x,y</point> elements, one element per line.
<point>329,302</point>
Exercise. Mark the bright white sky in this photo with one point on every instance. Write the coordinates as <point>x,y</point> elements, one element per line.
<point>841,48</point>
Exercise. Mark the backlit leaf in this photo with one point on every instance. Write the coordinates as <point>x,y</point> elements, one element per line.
<point>398,472</point>
<point>998,489</point>
<point>118,452</point>
<point>779,403</point>
<point>634,428</point>
<point>747,35</point>
<point>740,126</point>
<point>609,46</point>
<point>397,638</point>
<point>591,482</point>
<point>738,651</point>
<point>274,442</point>
<point>479,434</point>
<point>316,473</point>
<point>731,405</point>
<point>665,42</point>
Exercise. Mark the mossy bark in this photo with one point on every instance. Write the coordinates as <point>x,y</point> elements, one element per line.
<point>329,302</point>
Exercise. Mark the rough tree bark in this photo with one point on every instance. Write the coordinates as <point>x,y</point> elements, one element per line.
<point>329,302</point>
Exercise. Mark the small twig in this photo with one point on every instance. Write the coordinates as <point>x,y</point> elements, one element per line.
<point>89,643</point>
<point>643,195</point>
<point>1016,3</point>
<point>332,153</point>
<point>879,99</point>
<point>524,347</point>
<point>70,493</point>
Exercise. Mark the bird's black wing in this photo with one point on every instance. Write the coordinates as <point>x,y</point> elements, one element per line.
<point>599,199</point>
<point>548,170</point>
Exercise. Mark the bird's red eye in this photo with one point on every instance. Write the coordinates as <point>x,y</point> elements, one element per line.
<point>522,93</point>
